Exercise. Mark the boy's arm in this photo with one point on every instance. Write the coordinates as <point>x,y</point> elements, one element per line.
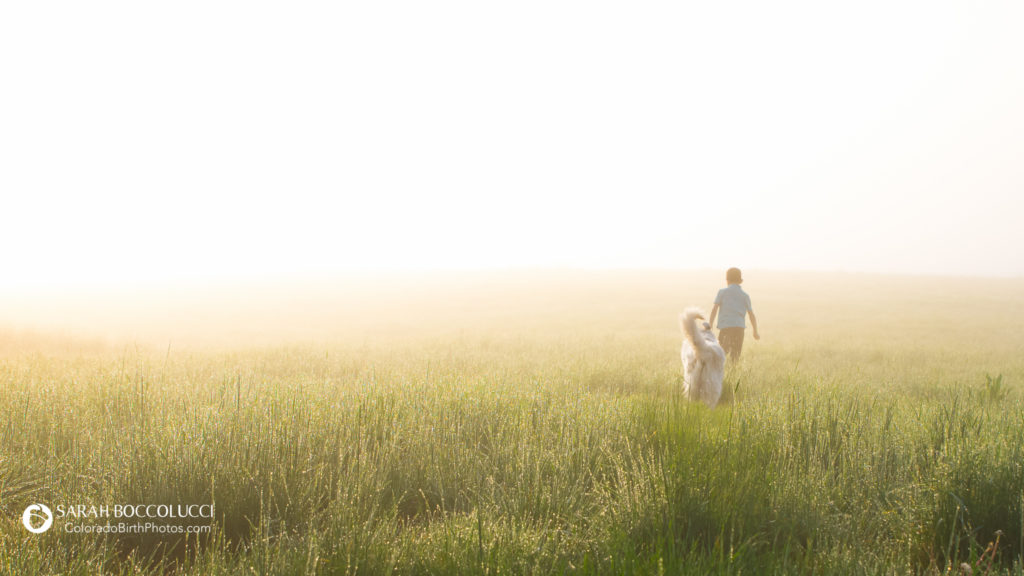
<point>714,313</point>
<point>753,324</point>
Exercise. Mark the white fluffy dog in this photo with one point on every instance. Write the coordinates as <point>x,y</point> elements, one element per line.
<point>703,359</point>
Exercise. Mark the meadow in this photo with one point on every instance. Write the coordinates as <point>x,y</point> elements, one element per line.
<point>501,423</point>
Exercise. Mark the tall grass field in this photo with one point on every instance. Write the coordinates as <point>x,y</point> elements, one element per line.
<point>519,424</point>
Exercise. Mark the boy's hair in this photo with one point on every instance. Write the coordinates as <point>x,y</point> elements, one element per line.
<point>734,276</point>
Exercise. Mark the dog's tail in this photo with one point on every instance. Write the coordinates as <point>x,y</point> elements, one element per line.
<point>688,324</point>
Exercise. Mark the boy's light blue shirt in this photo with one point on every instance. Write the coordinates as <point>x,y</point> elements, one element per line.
<point>733,305</point>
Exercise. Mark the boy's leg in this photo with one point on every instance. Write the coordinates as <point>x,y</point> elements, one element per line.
<point>725,340</point>
<point>737,342</point>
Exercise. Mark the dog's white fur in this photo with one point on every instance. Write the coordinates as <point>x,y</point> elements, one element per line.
<point>703,359</point>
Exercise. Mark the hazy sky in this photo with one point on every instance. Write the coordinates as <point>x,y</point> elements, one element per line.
<point>144,141</point>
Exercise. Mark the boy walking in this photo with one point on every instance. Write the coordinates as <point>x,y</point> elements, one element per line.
<point>734,304</point>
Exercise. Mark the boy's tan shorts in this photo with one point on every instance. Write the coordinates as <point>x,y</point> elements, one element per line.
<point>731,340</point>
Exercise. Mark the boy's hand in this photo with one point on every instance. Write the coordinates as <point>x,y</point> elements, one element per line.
<point>756,335</point>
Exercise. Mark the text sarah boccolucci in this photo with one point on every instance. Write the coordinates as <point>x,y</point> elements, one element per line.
<point>135,511</point>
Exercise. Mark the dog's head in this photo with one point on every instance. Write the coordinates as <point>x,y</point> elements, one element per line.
<point>708,333</point>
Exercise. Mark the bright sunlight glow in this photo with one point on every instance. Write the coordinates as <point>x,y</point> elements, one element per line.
<point>155,141</point>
